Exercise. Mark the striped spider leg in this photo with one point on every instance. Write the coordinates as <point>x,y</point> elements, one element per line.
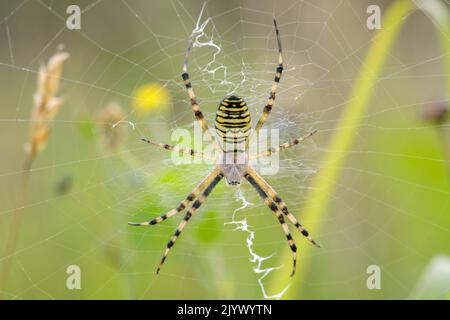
<point>283,146</point>
<point>195,106</point>
<point>276,210</point>
<point>273,90</point>
<point>200,200</point>
<point>191,152</point>
<point>277,205</point>
<point>200,193</point>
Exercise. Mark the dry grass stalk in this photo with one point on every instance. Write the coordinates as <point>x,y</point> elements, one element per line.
<point>46,105</point>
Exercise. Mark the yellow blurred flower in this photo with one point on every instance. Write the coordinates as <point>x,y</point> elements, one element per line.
<point>150,96</point>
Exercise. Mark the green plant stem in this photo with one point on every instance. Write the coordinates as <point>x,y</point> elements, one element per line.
<point>444,140</point>
<point>324,182</point>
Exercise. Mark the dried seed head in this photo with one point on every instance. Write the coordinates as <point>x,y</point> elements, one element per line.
<point>46,105</point>
<point>435,112</point>
<point>112,135</point>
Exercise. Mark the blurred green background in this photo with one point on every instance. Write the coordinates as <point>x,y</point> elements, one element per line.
<point>390,205</point>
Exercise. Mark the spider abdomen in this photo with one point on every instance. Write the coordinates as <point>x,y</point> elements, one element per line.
<point>233,124</point>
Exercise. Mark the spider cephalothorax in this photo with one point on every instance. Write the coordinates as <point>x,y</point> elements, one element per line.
<point>233,128</point>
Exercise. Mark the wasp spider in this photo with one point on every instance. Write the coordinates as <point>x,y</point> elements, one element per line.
<point>232,125</point>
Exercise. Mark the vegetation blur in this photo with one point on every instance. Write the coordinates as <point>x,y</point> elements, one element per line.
<point>372,186</point>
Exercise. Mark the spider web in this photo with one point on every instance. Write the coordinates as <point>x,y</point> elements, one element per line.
<point>233,245</point>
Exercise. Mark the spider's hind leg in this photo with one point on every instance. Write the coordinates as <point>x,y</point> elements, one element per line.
<point>273,90</point>
<point>195,105</point>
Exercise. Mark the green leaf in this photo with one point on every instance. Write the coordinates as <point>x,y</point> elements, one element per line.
<point>208,229</point>
<point>435,281</point>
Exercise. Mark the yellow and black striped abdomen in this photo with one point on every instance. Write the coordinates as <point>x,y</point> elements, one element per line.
<point>233,123</point>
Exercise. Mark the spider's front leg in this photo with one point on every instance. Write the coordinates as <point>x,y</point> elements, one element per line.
<point>258,180</point>
<point>183,204</point>
<point>201,199</point>
<point>271,204</point>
